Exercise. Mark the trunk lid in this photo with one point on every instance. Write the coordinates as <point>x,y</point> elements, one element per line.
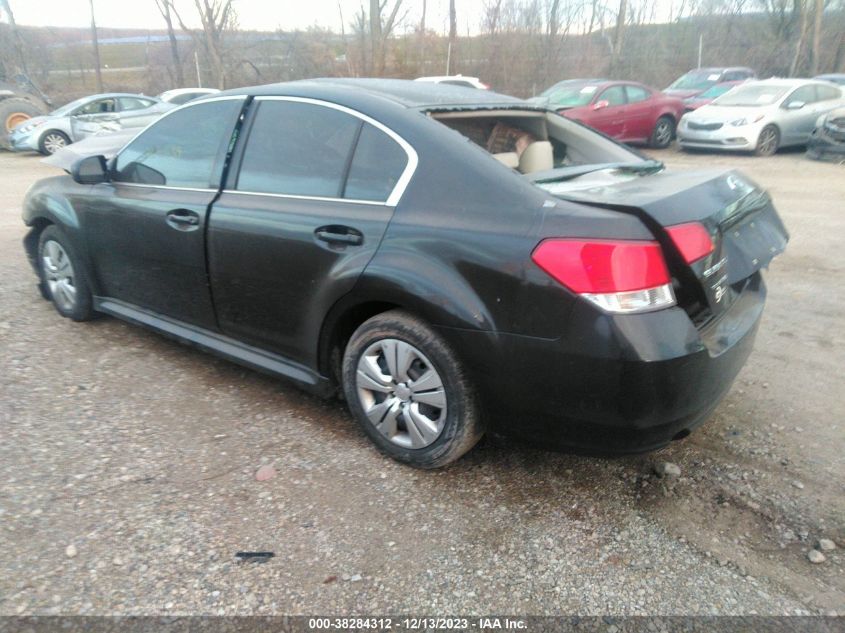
<point>746,231</point>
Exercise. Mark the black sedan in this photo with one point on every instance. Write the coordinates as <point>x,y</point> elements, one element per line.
<point>449,261</point>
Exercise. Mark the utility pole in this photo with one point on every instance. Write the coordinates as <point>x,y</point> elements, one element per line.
<point>700,47</point>
<point>96,48</point>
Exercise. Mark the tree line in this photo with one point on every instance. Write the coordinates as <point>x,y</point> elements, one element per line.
<point>518,46</point>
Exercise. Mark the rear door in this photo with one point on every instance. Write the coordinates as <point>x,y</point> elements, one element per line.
<point>311,195</point>
<point>146,227</point>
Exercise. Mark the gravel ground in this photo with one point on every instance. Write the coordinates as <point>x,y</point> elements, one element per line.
<point>128,463</point>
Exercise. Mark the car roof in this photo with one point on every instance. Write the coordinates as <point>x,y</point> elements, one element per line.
<point>107,95</point>
<point>446,77</point>
<point>182,91</point>
<point>404,92</point>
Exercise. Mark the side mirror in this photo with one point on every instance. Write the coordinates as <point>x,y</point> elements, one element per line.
<point>91,170</point>
<point>599,105</point>
<point>795,105</point>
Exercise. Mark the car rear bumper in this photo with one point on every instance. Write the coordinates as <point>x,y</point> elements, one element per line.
<point>616,384</point>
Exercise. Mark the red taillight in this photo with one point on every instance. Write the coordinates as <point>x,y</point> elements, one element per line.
<point>615,275</point>
<point>599,266</point>
<point>692,240</point>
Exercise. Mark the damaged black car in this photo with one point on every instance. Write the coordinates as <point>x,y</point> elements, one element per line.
<point>450,262</point>
<point>828,138</point>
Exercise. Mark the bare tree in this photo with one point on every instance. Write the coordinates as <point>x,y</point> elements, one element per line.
<point>218,19</point>
<point>817,37</point>
<point>618,35</point>
<point>16,35</point>
<point>453,35</point>
<point>96,44</point>
<point>164,9</point>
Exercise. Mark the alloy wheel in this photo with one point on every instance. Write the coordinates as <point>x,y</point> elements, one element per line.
<point>768,141</point>
<point>401,392</point>
<point>663,133</point>
<point>58,273</point>
<point>54,142</point>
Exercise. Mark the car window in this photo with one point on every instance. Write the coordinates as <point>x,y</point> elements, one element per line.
<point>376,167</point>
<point>183,149</point>
<point>804,94</point>
<point>637,93</point>
<point>134,103</point>
<point>457,82</point>
<point>184,98</point>
<point>615,95</point>
<point>97,107</point>
<point>826,93</point>
<point>297,149</point>
<point>570,95</point>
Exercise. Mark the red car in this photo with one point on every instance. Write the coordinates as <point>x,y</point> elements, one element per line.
<point>624,110</point>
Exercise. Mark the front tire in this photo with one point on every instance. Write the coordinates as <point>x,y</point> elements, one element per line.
<point>768,141</point>
<point>52,141</point>
<point>63,276</point>
<point>409,391</point>
<point>663,133</point>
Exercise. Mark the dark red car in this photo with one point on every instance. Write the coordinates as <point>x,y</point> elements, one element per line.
<point>624,110</point>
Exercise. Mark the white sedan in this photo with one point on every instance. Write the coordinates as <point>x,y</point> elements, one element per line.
<point>760,116</point>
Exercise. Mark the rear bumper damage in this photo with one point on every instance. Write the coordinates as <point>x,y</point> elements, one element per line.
<point>618,383</point>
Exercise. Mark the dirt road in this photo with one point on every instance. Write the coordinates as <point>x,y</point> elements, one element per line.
<point>127,472</point>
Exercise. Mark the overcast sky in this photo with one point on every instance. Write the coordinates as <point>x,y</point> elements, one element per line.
<point>252,14</point>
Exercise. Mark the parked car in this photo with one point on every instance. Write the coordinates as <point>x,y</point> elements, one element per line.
<point>135,113</point>
<point>697,81</point>
<point>362,238</point>
<point>180,96</point>
<point>702,99</point>
<point>828,137</point>
<point>624,110</point>
<point>837,78</point>
<point>456,80</point>
<point>760,116</point>
<point>51,132</point>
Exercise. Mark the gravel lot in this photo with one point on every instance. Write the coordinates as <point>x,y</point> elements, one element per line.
<point>127,472</point>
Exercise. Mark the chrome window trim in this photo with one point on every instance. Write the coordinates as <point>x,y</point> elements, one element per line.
<point>401,184</point>
<point>190,104</point>
<point>139,184</point>
<point>294,196</point>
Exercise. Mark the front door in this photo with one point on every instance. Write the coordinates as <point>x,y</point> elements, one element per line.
<point>297,224</point>
<point>146,226</point>
<point>639,113</point>
<point>608,113</point>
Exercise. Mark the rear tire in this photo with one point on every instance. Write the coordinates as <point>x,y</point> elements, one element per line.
<point>409,391</point>
<point>52,141</point>
<point>768,141</point>
<point>663,133</point>
<point>63,276</point>
<point>13,112</point>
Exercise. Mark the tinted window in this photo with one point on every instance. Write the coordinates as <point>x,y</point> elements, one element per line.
<point>376,167</point>
<point>457,82</point>
<point>297,149</point>
<point>183,149</point>
<point>828,92</point>
<point>97,107</point>
<point>615,95</point>
<point>184,98</point>
<point>133,103</point>
<point>636,93</point>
